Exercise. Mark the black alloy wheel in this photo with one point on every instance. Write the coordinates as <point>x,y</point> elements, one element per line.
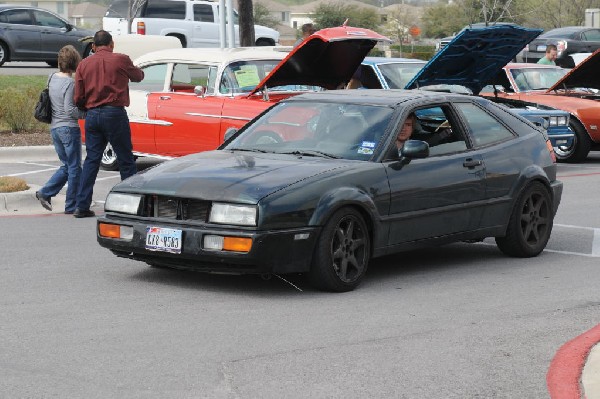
<point>342,252</point>
<point>530,224</point>
<point>3,53</point>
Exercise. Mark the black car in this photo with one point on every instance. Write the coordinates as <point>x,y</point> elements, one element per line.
<point>317,185</point>
<point>35,34</point>
<point>568,40</point>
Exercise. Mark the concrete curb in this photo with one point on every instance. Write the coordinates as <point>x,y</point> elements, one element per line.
<point>28,154</point>
<point>25,203</point>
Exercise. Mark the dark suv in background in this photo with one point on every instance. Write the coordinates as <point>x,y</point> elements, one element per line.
<point>35,34</point>
<point>568,40</point>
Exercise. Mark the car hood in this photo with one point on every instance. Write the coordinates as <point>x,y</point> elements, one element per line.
<point>327,58</point>
<point>230,176</point>
<point>583,75</point>
<point>474,57</point>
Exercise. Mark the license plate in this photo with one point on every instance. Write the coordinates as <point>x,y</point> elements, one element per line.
<point>541,48</point>
<point>163,239</point>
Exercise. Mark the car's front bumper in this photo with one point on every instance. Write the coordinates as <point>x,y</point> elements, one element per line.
<point>557,189</point>
<point>278,251</point>
<point>560,136</point>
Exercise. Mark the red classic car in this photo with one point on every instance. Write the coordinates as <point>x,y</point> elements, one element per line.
<point>576,91</point>
<point>189,98</point>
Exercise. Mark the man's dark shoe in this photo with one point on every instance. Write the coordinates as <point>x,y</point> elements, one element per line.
<point>44,201</point>
<point>69,212</point>
<point>83,213</point>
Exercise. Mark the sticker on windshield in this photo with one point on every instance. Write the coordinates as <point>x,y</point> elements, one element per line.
<point>366,148</point>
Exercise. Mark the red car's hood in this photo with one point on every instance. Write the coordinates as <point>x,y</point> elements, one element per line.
<point>327,58</point>
<point>583,75</point>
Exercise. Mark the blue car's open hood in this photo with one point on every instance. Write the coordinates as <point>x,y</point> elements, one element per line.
<point>474,57</point>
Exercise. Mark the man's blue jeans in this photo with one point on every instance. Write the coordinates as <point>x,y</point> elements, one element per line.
<point>67,143</point>
<point>104,125</point>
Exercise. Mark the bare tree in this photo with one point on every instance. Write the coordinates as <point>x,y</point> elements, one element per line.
<point>246,14</point>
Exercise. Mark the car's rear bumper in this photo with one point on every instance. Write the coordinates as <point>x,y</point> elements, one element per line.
<point>280,251</point>
<point>557,189</point>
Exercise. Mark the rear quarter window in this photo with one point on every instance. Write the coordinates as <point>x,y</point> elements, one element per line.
<point>165,9</point>
<point>484,128</point>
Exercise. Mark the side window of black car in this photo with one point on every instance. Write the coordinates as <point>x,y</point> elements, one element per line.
<point>485,129</point>
<point>19,17</point>
<point>46,19</point>
<point>592,35</point>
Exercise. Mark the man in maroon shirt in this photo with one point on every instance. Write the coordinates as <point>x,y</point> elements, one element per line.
<point>102,89</point>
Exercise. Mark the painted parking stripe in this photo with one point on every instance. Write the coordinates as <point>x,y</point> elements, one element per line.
<point>32,172</point>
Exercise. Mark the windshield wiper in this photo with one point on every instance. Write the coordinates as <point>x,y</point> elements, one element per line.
<point>312,153</point>
<point>248,149</point>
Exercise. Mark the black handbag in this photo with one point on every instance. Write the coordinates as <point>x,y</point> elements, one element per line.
<point>43,108</point>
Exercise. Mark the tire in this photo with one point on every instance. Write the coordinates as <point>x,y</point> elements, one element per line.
<point>53,64</point>
<point>579,149</point>
<point>181,39</point>
<point>342,252</point>
<point>264,42</point>
<point>3,53</point>
<point>88,51</point>
<point>109,159</point>
<point>530,223</point>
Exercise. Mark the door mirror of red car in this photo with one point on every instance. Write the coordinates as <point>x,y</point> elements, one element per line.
<point>229,132</point>
<point>200,91</point>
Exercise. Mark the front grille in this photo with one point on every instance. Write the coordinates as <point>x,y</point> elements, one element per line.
<point>176,208</point>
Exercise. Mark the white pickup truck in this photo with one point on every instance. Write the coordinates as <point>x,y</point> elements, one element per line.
<point>194,22</point>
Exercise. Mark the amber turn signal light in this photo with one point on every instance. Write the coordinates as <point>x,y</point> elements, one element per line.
<point>551,150</point>
<point>237,244</point>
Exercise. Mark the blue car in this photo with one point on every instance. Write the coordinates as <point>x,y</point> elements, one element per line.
<point>466,65</point>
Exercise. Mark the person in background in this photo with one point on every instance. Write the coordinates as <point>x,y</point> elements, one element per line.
<point>65,132</point>
<point>307,30</point>
<point>550,57</point>
<point>102,88</point>
<point>355,81</point>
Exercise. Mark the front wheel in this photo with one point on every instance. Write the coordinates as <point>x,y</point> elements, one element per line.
<point>3,53</point>
<point>530,223</point>
<point>109,159</point>
<point>88,51</point>
<point>579,148</point>
<point>342,253</point>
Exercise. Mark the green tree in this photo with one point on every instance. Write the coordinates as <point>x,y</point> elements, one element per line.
<point>262,16</point>
<point>328,15</point>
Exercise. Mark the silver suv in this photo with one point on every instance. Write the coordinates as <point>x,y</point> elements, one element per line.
<point>35,34</point>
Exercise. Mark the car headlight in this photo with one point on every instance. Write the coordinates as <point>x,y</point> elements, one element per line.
<point>123,203</point>
<point>242,215</point>
<point>559,121</point>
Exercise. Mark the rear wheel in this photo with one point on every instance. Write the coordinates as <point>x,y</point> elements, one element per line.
<point>53,64</point>
<point>88,51</point>
<point>530,223</point>
<point>579,148</point>
<point>264,42</point>
<point>342,253</point>
<point>3,53</point>
<point>181,39</point>
<point>109,159</point>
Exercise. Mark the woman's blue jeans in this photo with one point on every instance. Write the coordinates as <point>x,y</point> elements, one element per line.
<point>67,143</point>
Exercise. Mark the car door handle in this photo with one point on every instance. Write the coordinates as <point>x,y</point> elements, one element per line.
<point>165,97</point>
<point>471,163</point>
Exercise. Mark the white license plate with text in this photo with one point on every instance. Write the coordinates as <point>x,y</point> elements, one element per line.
<point>163,239</point>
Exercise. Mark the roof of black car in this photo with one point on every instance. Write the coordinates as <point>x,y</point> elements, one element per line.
<point>565,30</point>
<point>375,96</point>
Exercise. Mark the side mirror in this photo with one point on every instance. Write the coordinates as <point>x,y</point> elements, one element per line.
<point>229,133</point>
<point>200,91</point>
<point>414,149</point>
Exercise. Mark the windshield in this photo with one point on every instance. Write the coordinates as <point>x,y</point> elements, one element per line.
<point>347,131</point>
<point>537,78</point>
<point>398,75</point>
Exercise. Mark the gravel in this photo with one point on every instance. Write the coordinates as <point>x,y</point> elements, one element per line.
<point>9,139</point>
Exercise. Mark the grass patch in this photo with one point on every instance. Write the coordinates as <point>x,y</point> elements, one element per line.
<point>9,184</point>
<point>23,82</point>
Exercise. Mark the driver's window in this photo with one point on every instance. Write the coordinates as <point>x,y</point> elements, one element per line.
<point>45,19</point>
<point>187,76</point>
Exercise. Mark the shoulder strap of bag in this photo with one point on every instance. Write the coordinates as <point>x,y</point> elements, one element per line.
<point>49,78</point>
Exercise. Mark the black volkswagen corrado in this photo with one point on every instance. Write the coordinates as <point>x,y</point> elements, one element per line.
<point>317,185</point>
